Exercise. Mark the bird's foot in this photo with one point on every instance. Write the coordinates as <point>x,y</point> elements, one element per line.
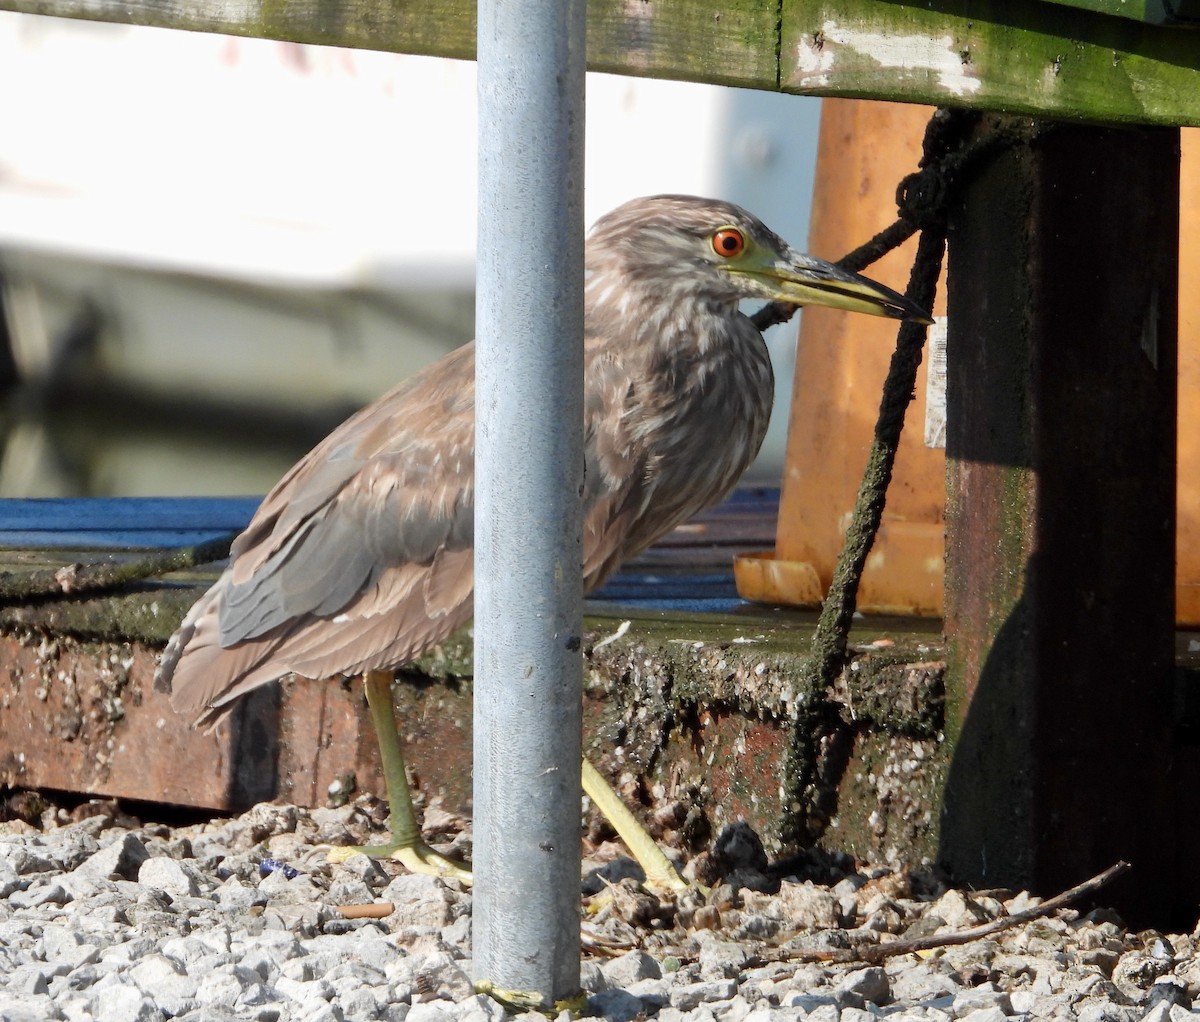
<point>664,878</point>
<point>415,856</point>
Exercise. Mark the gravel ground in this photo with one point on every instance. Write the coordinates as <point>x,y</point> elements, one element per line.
<point>103,917</point>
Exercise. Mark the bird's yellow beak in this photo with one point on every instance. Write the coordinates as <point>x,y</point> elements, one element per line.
<point>804,280</point>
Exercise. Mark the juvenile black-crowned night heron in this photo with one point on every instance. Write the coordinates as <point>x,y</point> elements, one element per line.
<point>360,559</point>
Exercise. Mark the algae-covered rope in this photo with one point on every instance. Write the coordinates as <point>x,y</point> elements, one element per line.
<point>923,201</point>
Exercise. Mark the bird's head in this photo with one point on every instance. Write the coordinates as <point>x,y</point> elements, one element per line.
<point>719,251</point>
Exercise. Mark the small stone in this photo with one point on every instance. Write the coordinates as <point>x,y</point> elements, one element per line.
<point>592,978</point>
<point>219,988</point>
<point>1100,958</point>
<point>614,1005</point>
<point>871,984</point>
<point>37,895</point>
<point>27,1008</point>
<point>234,896</point>
<point>429,1012</point>
<point>968,1001</point>
<point>804,906</point>
<point>176,878</point>
<point>809,1003</point>
<point>349,891</point>
<point>691,996</point>
<point>420,901</point>
<point>302,920</point>
<point>1136,971</point>
<point>10,880</point>
<point>957,910</point>
<point>30,980</point>
<point>1107,1011</point>
<point>124,1002</point>
<point>480,1008</point>
<point>768,1014</point>
<point>722,959</point>
<point>992,1014</point>
<point>440,976</point>
<point>24,861</point>
<point>122,858</point>
<point>364,868</point>
<point>164,980</point>
<point>629,968</point>
<point>1168,989</point>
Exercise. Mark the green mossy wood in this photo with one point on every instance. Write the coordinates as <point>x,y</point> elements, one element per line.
<point>1068,59</point>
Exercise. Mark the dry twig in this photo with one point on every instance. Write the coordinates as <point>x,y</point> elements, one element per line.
<point>873,953</point>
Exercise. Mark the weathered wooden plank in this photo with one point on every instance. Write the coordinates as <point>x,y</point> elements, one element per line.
<point>1019,56</point>
<point>1024,58</point>
<point>732,43</point>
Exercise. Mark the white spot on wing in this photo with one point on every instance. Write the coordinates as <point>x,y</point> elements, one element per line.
<point>816,57</point>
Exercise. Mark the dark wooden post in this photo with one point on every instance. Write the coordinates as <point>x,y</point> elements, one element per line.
<point>1061,506</point>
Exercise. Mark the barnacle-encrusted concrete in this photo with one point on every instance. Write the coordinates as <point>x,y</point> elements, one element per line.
<point>691,714</point>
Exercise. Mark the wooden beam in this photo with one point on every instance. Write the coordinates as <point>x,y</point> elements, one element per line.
<point>1017,56</point>
<point>1060,520</point>
<point>1035,58</point>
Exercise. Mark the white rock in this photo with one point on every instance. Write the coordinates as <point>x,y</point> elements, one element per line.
<point>871,984</point>
<point>429,1012</point>
<point>692,995</point>
<point>992,1014</point>
<point>218,988</point>
<point>419,901</point>
<point>124,1003</point>
<point>169,875</point>
<point>480,1008</point>
<point>957,910</point>
<point>802,905</point>
<point>967,1001</point>
<point>163,980</point>
<point>120,858</point>
<point>629,968</point>
<point>722,959</point>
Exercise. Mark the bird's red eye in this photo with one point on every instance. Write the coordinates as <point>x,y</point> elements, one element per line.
<point>729,242</point>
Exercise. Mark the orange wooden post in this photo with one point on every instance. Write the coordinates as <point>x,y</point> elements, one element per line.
<point>1187,536</point>
<point>865,149</point>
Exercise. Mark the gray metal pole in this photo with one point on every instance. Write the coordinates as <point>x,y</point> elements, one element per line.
<point>529,474</point>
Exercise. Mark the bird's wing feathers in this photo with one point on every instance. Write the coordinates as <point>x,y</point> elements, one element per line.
<point>372,530</point>
<point>361,557</point>
<point>615,482</point>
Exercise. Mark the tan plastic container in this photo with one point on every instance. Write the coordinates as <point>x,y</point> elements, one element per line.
<point>841,361</point>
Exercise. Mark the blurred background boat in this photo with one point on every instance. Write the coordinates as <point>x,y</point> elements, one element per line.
<point>213,249</point>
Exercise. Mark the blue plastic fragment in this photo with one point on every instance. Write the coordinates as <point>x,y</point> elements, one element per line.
<point>269,866</point>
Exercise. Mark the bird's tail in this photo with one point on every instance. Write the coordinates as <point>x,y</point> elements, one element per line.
<point>202,678</point>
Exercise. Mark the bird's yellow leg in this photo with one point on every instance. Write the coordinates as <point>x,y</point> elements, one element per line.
<point>406,845</point>
<point>659,871</point>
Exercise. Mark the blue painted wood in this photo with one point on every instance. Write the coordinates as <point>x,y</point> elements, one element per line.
<point>121,522</point>
<point>692,569</point>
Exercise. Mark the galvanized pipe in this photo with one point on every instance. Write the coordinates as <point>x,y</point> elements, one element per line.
<point>529,476</point>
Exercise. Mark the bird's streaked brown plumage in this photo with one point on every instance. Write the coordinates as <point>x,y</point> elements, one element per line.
<point>361,557</point>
